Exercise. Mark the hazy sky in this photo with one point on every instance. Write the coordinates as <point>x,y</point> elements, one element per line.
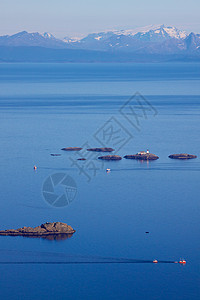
<point>76,17</point>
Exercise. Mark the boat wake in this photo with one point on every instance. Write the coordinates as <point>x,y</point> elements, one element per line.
<point>32,257</point>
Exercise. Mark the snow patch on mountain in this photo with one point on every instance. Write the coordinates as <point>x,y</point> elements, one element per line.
<point>98,38</point>
<point>69,40</point>
<point>132,32</point>
<point>48,35</point>
<point>173,32</point>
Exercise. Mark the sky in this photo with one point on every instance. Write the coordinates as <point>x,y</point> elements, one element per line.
<point>80,17</point>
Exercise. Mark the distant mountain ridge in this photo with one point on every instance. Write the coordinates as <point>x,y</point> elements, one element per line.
<point>151,40</point>
<point>25,38</point>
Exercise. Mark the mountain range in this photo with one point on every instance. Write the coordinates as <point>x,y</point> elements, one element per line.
<point>151,43</point>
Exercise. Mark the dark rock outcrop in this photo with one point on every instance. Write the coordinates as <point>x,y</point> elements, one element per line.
<point>101,149</point>
<point>182,156</point>
<point>72,149</point>
<point>55,228</point>
<point>110,157</point>
<point>145,156</point>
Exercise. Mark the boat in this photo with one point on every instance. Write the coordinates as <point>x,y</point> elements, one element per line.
<point>182,261</point>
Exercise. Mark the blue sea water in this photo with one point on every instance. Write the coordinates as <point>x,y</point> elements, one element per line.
<point>45,107</point>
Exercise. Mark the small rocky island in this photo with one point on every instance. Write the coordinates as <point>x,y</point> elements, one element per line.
<point>182,156</point>
<point>106,149</point>
<point>142,155</point>
<point>110,157</point>
<point>46,229</point>
<point>72,149</point>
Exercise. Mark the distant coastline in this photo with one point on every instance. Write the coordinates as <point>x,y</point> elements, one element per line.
<point>34,54</point>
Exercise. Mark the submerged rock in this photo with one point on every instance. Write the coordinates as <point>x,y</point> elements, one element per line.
<point>72,149</point>
<point>142,156</point>
<point>42,230</point>
<point>110,157</point>
<point>101,149</point>
<point>182,156</point>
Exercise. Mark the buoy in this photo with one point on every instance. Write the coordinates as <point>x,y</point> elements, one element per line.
<point>107,170</point>
<point>35,168</point>
<point>155,261</point>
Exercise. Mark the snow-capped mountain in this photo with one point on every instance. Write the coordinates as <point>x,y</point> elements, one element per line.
<point>130,40</point>
<point>151,41</point>
<point>157,30</point>
<point>160,33</point>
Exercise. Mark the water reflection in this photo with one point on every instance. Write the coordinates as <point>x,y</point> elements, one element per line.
<point>51,237</point>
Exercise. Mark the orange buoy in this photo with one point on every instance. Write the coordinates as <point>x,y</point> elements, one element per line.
<point>34,167</point>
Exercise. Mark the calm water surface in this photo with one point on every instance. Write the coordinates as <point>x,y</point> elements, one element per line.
<point>45,107</point>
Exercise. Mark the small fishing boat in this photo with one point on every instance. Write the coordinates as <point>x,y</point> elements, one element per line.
<point>182,261</point>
